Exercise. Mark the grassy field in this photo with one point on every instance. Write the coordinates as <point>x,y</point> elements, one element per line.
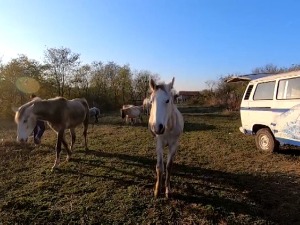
<point>218,178</point>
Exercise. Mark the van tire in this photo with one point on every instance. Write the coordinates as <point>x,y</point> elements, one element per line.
<point>265,140</point>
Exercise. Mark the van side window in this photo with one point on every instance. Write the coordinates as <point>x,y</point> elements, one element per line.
<point>248,92</point>
<point>264,91</point>
<point>289,88</point>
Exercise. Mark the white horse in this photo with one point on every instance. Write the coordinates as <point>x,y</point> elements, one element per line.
<point>179,99</point>
<point>166,124</point>
<point>146,106</point>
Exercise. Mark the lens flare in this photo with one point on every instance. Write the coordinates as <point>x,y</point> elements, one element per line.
<point>27,85</point>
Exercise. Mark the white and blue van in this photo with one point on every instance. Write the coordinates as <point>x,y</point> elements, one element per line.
<point>270,110</point>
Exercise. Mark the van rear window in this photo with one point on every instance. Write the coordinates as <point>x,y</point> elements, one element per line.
<point>264,91</point>
<point>248,92</point>
<point>289,89</point>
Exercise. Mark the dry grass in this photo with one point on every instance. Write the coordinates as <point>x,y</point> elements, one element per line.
<point>218,178</point>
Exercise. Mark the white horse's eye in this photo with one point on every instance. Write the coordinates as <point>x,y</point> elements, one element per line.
<point>168,101</point>
<point>25,121</point>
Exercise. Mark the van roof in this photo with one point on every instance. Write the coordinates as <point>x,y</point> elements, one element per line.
<point>276,76</point>
<point>246,77</point>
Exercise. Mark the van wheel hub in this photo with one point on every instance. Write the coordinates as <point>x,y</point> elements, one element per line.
<point>264,142</point>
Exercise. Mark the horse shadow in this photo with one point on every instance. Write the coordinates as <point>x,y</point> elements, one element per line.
<point>272,196</point>
<point>120,122</point>
<point>232,116</point>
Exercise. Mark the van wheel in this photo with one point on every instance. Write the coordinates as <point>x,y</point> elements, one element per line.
<point>265,140</point>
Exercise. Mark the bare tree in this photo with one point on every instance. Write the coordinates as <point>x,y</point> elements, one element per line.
<point>269,68</point>
<point>80,80</point>
<point>211,84</point>
<point>125,83</point>
<point>61,62</point>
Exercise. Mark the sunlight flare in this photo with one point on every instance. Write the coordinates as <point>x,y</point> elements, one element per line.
<point>27,85</point>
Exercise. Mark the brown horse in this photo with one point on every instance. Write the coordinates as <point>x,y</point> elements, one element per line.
<point>60,113</point>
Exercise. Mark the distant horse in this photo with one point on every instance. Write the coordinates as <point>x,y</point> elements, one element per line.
<point>166,124</point>
<point>126,106</point>
<point>60,113</point>
<point>131,112</point>
<point>94,113</point>
<point>146,106</point>
<point>124,116</point>
<point>179,99</point>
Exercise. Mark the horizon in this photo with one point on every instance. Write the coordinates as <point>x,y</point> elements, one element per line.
<point>193,41</point>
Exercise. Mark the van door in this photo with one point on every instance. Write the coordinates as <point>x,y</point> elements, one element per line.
<point>286,124</point>
<point>260,105</point>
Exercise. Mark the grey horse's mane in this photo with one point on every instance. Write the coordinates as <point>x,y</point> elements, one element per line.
<point>22,109</point>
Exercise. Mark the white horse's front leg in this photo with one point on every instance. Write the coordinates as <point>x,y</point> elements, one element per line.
<point>159,166</point>
<point>172,151</point>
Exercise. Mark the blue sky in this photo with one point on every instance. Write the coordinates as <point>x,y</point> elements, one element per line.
<point>192,40</point>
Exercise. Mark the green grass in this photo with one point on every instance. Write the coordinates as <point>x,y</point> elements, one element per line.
<point>218,178</point>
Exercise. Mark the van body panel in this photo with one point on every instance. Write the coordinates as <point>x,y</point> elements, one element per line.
<point>287,125</point>
<point>274,102</point>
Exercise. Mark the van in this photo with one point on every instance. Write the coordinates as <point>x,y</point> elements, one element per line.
<point>270,110</point>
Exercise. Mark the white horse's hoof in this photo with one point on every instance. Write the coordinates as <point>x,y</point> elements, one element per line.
<point>168,193</point>
<point>55,165</point>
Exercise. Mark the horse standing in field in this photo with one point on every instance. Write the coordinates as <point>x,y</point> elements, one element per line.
<point>166,124</point>
<point>146,106</point>
<point>60,113</point>
<point>131,112</point>
<point>179,99</point>
<point>94,113</point>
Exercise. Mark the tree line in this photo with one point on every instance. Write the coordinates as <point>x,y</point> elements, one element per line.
<point>105,85</point>
<point>229,95</point>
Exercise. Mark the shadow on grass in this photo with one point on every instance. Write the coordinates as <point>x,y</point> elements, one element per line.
<point>116,122</point>
<point>198,109</point>
<point>232,116</point>
<point>291,152</point>
<point>127,159</point>
<point>188,127</point>
<point>272,197</point>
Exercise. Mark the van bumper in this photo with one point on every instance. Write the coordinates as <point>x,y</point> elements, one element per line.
<point>244,131</point>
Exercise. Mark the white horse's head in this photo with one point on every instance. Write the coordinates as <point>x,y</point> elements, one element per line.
<point>161,106</point>
<point>25,120</point>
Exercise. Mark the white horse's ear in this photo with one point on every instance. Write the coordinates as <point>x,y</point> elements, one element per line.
<point>14,109</point>
<point>171,85</point>
<point>152,84</point>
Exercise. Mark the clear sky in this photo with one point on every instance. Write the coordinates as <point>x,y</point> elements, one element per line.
<point>192,40</point>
